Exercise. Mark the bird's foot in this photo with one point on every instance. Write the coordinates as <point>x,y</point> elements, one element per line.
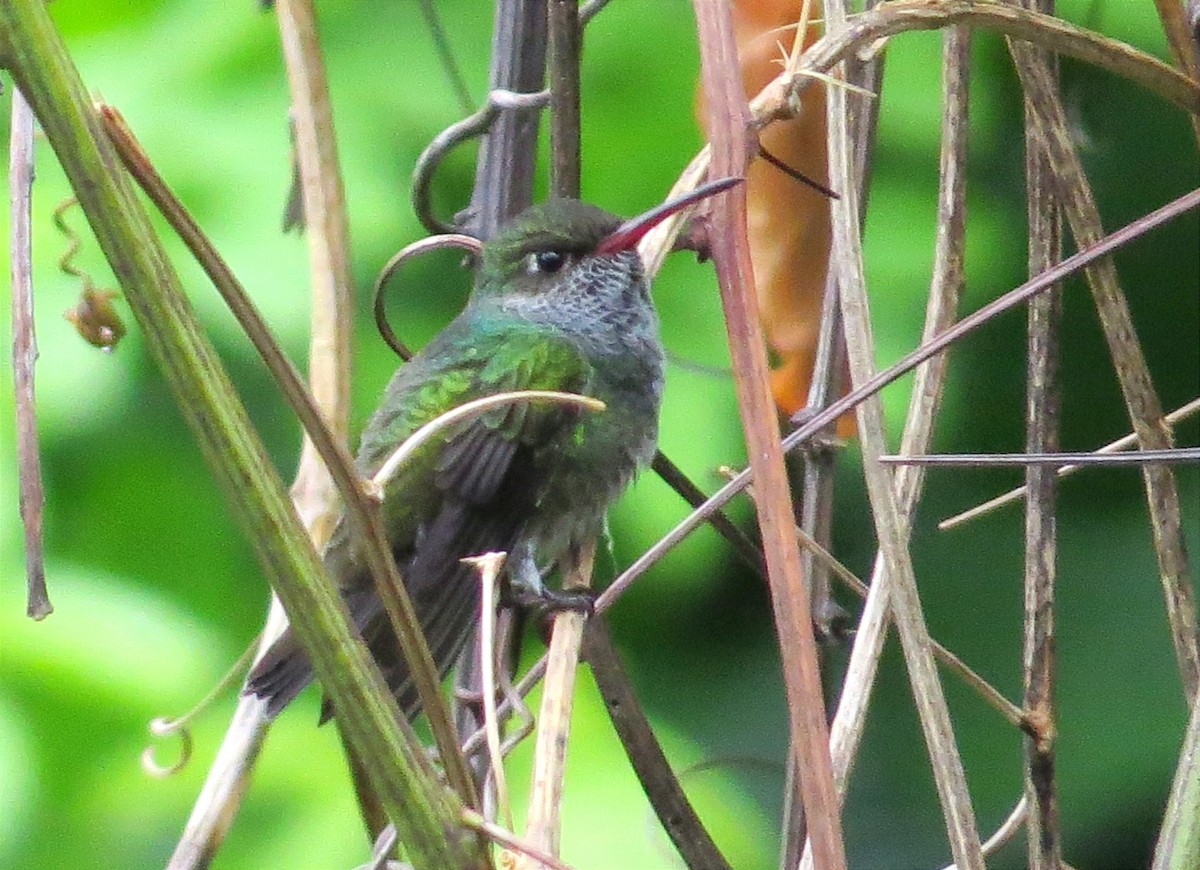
<point>543,601</point>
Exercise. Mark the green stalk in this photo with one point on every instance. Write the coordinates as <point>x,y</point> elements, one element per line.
<point>426,815</point>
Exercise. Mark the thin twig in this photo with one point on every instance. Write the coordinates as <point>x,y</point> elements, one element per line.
<point>511,841</point>
<point>313,492</point>
<point>1007,830</point>
<point>488,565</point>
<point>829,377</point>
<point>1063,459</point>
<point>441,43</point>
<point>25,354</point>
<point>659,782</point>
<point>469,411</point>
<point>1123,443</point>
<point>1183,49</point>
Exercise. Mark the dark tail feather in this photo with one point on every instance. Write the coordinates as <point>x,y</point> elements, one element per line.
<point>281,674</point>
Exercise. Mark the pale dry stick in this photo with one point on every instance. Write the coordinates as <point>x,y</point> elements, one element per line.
<point>946,287</point>
<point>729,128</point>
<point>1123,443</point>
<point>488,565</point>
<point>1049,123</point>
<point>1007,830</point>
<point>313,491</point>
<point>829,376</point>
<point>512,842</point>
<point>544,823</point>
<point>25,354</point>
<point>898,581</point>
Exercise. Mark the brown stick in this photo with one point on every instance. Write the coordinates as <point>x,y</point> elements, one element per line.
<point>729,126</point>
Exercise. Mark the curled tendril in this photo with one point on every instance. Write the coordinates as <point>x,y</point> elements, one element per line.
<point>462,131</point>
<point>432,243</point>
<point>93,316</point>
<point>165,726</point>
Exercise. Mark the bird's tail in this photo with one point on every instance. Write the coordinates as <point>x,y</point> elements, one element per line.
<point>280,674</point>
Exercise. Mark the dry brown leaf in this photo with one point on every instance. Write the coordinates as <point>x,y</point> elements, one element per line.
<point>787,221</point>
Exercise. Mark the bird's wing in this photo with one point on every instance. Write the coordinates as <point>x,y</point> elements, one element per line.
<point>468,492</point>
<point>489,473</point>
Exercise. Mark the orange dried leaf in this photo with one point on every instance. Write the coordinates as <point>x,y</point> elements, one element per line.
<point>788,222</point>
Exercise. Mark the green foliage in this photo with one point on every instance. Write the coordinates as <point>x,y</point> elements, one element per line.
<point>156,594</point>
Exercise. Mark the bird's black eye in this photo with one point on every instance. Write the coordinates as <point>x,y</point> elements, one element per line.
<point>545,262</point>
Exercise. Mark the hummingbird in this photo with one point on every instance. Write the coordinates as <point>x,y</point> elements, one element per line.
<point>560,302</point>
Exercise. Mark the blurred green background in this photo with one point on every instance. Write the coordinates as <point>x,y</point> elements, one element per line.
<point>156,593</point>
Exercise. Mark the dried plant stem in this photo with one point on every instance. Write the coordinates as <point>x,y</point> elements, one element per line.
<point>25,353</point>
<point>828,377</point>
<point>1183,49</point>
<point>945,292</point>
<point>898,582</point>
<point>728,126</point>
<point>1042,409</point>
<point>543,826</point>
<point>512,842</point>
<point>328,235</point>
<point>1048,122</point>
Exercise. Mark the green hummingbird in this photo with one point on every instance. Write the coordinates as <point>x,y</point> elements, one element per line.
<point>560,302</point>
